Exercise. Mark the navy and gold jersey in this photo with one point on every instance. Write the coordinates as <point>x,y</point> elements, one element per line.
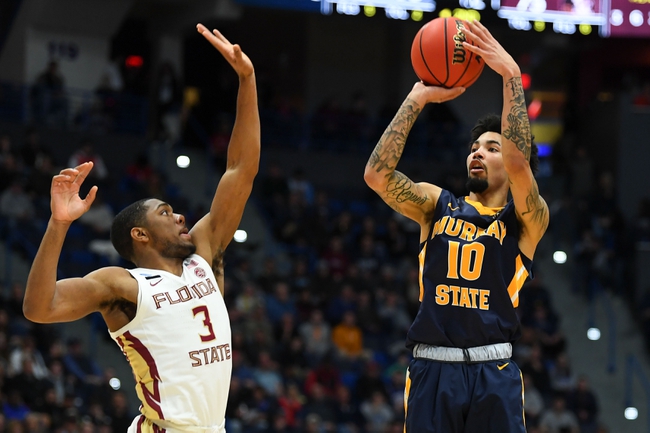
<point>471,271</point>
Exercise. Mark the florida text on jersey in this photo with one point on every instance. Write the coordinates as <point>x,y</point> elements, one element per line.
<point>179,347</point>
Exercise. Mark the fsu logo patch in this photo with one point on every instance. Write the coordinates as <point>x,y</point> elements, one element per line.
<point>199,272</point>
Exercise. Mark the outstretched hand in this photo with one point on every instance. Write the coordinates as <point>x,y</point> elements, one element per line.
<point>66,204</point>
<point>232,53</point>
<point>434,94</point>
<point>493,54</point>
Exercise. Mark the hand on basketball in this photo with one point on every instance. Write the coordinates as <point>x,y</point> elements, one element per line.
<point>232,53</point>
<point>66,204</point>
<point>492,53</point>
<point>424,94</point>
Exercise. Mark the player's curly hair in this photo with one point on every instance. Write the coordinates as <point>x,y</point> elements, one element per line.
<point>492,123</point>
<point>134,215</point>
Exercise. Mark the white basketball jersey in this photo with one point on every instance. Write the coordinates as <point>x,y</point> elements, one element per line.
<point>178,345</point>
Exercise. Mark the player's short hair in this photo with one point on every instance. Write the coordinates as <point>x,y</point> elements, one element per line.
<point>134,215</point>
<point>492,123</point>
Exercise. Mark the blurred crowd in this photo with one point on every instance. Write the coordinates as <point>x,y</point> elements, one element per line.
<point>319,330</point>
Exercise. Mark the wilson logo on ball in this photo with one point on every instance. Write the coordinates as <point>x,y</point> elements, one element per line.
<point>439,57</point>
<point>459,38</point>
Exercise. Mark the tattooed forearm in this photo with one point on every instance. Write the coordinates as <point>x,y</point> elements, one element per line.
<point>401,189</point>
<point>391,145</point>
<point>517,127</point>
<point>536,208</point>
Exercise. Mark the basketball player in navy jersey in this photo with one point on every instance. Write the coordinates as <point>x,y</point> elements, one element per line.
<point>167,315</point>
<point>476,253</point>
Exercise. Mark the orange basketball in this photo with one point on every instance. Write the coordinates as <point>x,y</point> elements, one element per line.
<point>439,58</point>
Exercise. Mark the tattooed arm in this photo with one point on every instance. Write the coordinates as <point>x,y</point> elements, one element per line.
<point>531,208</point>
<point>414,200</point>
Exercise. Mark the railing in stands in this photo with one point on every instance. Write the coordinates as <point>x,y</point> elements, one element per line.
<point>633,367</point>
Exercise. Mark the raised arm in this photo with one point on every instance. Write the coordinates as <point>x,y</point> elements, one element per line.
<point>46,299</point>
<point>213,233</point>
<point>531,208</point>
<point>414,200</point>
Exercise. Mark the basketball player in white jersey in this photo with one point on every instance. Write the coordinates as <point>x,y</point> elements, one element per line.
<point>168,314</point>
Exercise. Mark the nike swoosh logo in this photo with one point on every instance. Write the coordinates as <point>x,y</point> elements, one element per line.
<point>453,208</point>
<point>501,367</point>
<point>153,284</point>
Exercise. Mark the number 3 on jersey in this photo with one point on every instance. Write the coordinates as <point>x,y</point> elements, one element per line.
<point>471,260</point>
<point>206,322</point>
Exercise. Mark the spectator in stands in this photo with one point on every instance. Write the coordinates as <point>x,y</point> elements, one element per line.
<point>99,219</point>
<point>341,303</point>
<point>85,371</point>
<point>269,276</point>
<point>583,403</point>
<point>348,339</point>
<point>53,410</point>
<point>298,184</point>
<point>39,182</point>
<point>548,330</point>
<point>26,350</point>
<point>558,419</point>
<point>320,404</point>
<point>280,304</point>
<point>376,412</point>
<point>32,388</point>
<point>293,360</point>
<point>316,335</point>
<point>121,417</point>
<point>562,377</point>
<point>534,367</point>
<point>167,104</point>
<point>49,100</point>
<point>285,330</point>
<point>291,402</point>
<point>139,172</point>
<point>326,374</point>
<point>249,299</point>
<point>32,149</point>
<point>15,203</point>
<point>14,408</point>
<point>348,415</point>
<point>336,257</point>
<point>59,383</point>
<point>266,374</point>
<point>108,92</point>
<point>86,153</point>
<point>370,381</point>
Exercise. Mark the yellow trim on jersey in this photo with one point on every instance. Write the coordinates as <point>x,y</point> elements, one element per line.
<point>523,400</point>
<point>521,273</point>
<point>421,257</point>
<point>407,390</point>
<point>483,210</point>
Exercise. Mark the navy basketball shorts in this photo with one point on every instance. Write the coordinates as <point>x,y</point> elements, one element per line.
<point>485,397</point>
